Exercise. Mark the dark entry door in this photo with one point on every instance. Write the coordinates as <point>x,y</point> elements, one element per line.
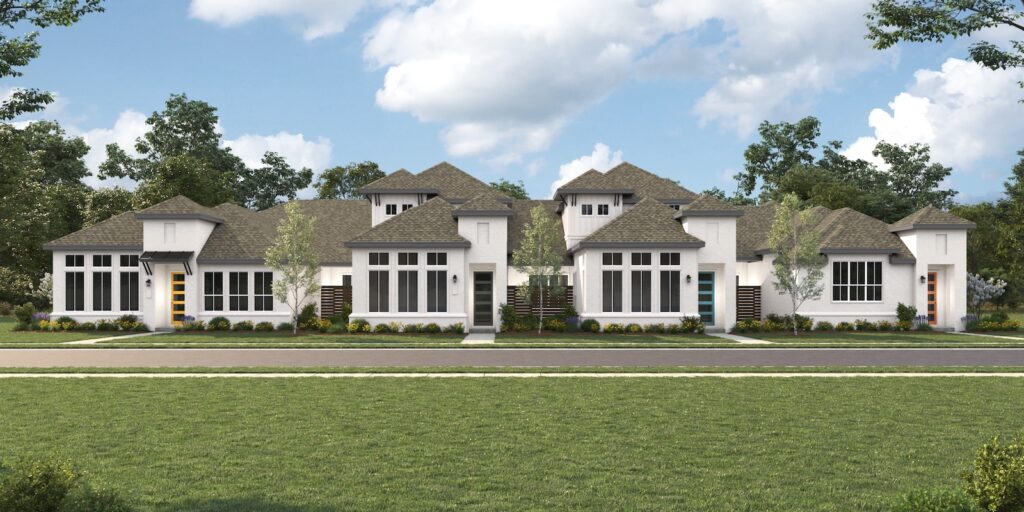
<point>483,298</point>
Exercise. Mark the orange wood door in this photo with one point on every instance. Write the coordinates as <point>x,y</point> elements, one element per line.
<point>933,297</point>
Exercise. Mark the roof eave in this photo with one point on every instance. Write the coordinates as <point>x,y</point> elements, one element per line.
<point>355,244</point>
<point>859,250</point>
<point>366,191</point>
<point>637,245</point>
<point>482,213</point>
<point>912,227</point>
<point>179,216</point>
<point>91,247</point>
<point>708,213</point>
<point>563,191</point>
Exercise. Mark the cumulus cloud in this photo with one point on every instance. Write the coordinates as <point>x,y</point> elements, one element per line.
<point>601,158</point>
<point>315,18</point>
<point>960,110</point>
<point>129,126</point>
<point>293,147</point>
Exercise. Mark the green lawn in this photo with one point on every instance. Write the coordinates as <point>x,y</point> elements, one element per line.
<point>258,338</point>
<point>615,339</point>
<point>9,335</point>
<point>905,338</point>
<point>485,444</point>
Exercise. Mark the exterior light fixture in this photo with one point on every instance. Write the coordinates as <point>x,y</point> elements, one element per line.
<point>149,282</point>
<point>455,279</point>
<point>923,279</point>
<point>688,278</point>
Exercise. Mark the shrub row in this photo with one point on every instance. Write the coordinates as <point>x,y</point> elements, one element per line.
<point>907,319</point>
<point>54,485</point>
<point>998,321</point>
<point>43,322</point>
<point>360,326</point>
<point>686,325</point>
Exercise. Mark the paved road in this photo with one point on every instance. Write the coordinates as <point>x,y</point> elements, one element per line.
<point>127,358</point>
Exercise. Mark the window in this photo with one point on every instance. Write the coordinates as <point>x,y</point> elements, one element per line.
<point>129,260</point>
<point>857,281</point>
<point>169,233</point>
<point>611,290</point>
<point>74,260</point>
<point>101,260</point>
<point>101,291</point>
<point>602,209</point>
<point>390,209</point>
<point>74,290</point>
<point>213,291</point>
<point>408,291</point>
<point>379,258</point>
<point>611,259</point>
<point>263,295</point>
<point>669,290</point>
<point>483,233</point>
<point>238,291</point>
<point>641,296</point>
<point>406,207</point>
<point>437,258</point>
<point>640,259</point>
<point>670,259</point>
<point>586,209</point>
<point>378,291</point>
<point>129,290</point>
<point>437,291</point>
<point>408,258</point>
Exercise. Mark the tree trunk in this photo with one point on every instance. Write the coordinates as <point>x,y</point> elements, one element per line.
<point>540,314</point>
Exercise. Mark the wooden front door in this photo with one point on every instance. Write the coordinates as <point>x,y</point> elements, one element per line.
<point>177,298</point>
<point>933,298</point>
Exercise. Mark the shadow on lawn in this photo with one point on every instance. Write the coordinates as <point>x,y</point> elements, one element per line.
<point>240,503</point>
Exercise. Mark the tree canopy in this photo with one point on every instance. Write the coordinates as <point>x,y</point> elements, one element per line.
<point>515,190</point>
<point>344,181</point>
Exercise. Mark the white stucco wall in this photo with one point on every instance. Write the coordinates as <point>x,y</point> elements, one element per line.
<point>88,315</point>
<point>456,303</point>
<point>719,256</point>
<point>577,226</point>
<point>334,275</point>
<point>195,303</point>
<point>945,252</point>
<point>488,253</point>
<point>378,212</point>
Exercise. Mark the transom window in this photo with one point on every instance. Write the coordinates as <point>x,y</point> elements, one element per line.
<point>640,259</point>
<point>437,258</point>
<point>74,260</point>
<point>611,259</point>
<point>101,260</point>
<point>670,259</point>
<point>378,258</point>
<point>602,209</point>
<point>129,260</point>
<point>391,209</point>
<point>857,281</point>
<point>586,209</point>
<point>408,258</point>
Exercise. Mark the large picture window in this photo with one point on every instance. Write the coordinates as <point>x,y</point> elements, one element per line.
<point>74,291</point>
<point>378,291</point>
<point>670,291</point>
<point>437,291</point>
<point>263,285</point>
<point>641,291</point>
<point>408,290</point>
<point>611,290</point>
<point>129,290</point>
<point>857,281</point>
<point>102,291</point>
<point>238,291</point>
<point>213,291</point>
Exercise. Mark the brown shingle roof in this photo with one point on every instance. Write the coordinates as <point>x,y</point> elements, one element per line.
<point>708,206</point>
<point>521,214</point>
<point>430,224</point>
<point>933,218</point>
<point>648,224</point>
<point>647,184</point>
<point>454,184</point>
<point>752,230</point>
<point>593,181</point>
<point>488,204</point>
<point>337,221</point>
<point>121,231</point>
<point>399,181</point>
<point>243,236</point>
<point>178,207</point>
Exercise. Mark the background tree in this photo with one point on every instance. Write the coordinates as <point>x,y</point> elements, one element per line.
<point>263,187</point>
<point>893,21</point>
<point>344,181</point>
<point>539,256</point>
<point>798,263</point>
<point>105,203</point>
<point>16,51</point>
<point>782,147</point>
<point>981,290</point>
<point>292,256</point>
<point>515,190</point>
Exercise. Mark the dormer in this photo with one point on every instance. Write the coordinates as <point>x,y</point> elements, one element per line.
<point>714,222</point>
<point>933,235</point>
<point>403,190</point>
<point>175,231</point>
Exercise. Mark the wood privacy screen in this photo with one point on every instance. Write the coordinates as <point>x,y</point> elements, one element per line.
<point>748,303</point>
<point>331,299</point>
<point>554,304</point>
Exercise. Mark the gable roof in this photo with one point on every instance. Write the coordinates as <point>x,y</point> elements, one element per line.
<point>443,179</point>
<point>428,225</point>
<point>522,211</point>
<point>647,184</point>
<point>398,182</point>
<point>649,224</point>
<point>243,237</point>
<point>593,181</point>
<point>179,207</point>
<point>337,221</point>
<point>120,232</point>
<point>487,204</point>
<point>752,230</point>
<point>708,206</point>
<point>930,217</point>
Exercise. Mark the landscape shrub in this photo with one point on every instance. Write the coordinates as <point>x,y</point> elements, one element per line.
<point>412,328</point>
<point>244,325</point>
<point>86,326</point>
<point>864,325</point>
<point>590,325</point>
<point>921,323</point>
<point>308,316</point>
<point>337,328</point>
<point>319,324</point>
<point>64,323</point>
<point>24,313</point>
<point>140,327</point>
<point>996,479</point>
<point>905,313</point>
<point>127,322</point>
<point>996,316</point>
<point>106,325</point>
<point>691,325</point>
<point>654,328</point>
<point>884,325</point>
<point>554,324</point>
<point>395,326</point>
<point>634,329</point>
<point>5,308</point>
<point>749,325</point>
<point>844,327</point>
<point>674,329</point>
<point>456,328</point>
<point>264,326</point>
<point>283,326</point>
<point>824,325</point>
<point>358,326</point>
<point>44,486</point>
<point>613,328</point>
<point>432,328</point>
<point>775,322</point>
<point>382,328</point>
<point>934,500</point>
<point>984,325</point>
<point>904,326</point>
<point>218,323</point>
<point>189,323</point>
<point>341,318</point>
<point>507,314</point>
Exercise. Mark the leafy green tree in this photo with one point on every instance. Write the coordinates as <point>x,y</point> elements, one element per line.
<point>344,181</point>
<point>262,188</point>
<point>105,203</point>
<point>893,21</point>
<point>735,199</point>
<point>515,190</point>
<point>296,263</point>
<point>540,257</point>
<point>17,51</point>
<point>913,178</point>
<point>798,264</point>
<point>782,147</point>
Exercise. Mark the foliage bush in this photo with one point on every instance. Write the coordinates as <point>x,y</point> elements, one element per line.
<point>785,323</point>
<point>64,323</point>
<point>264,326</point>
<point>5,308</point>
<point>555,324</point>
<point>824,325</point>
<point>218,323</point>
<point>456,328</point>
<point>189,323</point>
<point>864,325</point>
<point>244,325</point>
<point>613,328</point>
<point>633,329</point>
<point>342,317</point>
<point>921,323</point>
<point>904,326</point>
<point>358,326</point>
<point>337,329</point>
<point>654,328</point>
<point>996,316</point>
<point>691,325</point>
<point>749,325</point>
<point>507,314</point>
<point>140,327</point>
<point>905,313</point>
<point>382,328</point>
<point>283,326</point>
<point>934,500</point>
<point>996,479</point>
<point>590,325</point>
<point>844,327</point>
<point>412,328</point>
<point>106,325</point>
<point>86,326</point>
<point>127,322</point>
<point>308,317</point>
<point>45,486</point>
<point>432,328</point>
<point>24,313</point>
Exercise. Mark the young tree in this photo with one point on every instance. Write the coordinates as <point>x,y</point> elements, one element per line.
<point>292,256</point>
<point>798,264</point>
<point>515,190</point>
<point>344,181</point>
<point>539,256</point>
<point>981,290</point>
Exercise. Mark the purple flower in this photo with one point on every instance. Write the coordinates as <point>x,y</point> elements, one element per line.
<point>42,315</point>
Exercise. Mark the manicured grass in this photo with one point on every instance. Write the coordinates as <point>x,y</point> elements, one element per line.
<point>481,444</point>
<point>591,338</point>
<point>521,369</point>
<point>253,337</point>
<point>907,338</point>
<point>9,335</point>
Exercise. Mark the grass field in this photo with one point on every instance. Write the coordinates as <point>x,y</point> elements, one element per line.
<point>914,337</point>
<point>9,335</point>
<point>481,444</point>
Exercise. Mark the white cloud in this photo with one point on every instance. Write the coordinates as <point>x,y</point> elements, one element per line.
<point>601,159</point>
<point>129,126</point>
<point>294,147</point>
<point>315,18</point>
<point>959,110</point>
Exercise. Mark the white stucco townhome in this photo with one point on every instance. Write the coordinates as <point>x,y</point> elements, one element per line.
<point>436,247</point>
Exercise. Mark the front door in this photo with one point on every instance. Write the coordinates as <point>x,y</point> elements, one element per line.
<point>706,297</point>
<point>933,298</point>
<point>177,298</point>
<point>483,298</point>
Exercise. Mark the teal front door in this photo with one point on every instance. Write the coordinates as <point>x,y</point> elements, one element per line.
<point>706,297</point>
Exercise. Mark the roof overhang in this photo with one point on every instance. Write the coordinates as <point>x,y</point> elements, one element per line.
<point>636,245</point>
<point>179,216</point>
<point>860,250</point>
<point>421,190</point>
<point>148,258</point>
<point>482,213</point>
<point>91,247</point>
<point>238,261</point>
<point>411,245</point>
<point>564,191</point>
<point>896,259</point>
<point>913,227</point>
<point>634,199</point>
<point>708,213</point>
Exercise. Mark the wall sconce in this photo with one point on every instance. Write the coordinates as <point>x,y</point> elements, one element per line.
<point>455,279</point>
<point>688,278</point>
<point>923,279</point>
<point>149,282</point>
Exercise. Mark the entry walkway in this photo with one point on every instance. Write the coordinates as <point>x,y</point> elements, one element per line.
<point>94,341</point>
<point>479,338</point>
<point>742,340</point>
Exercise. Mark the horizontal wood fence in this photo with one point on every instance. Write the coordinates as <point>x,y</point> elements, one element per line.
<point>748,303</point>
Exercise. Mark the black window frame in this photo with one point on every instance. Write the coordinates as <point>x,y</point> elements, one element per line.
<point>406,259</point>
<point>74,260</point>
<point>238,291</point>
<point>407,206</point>
<point>129,261</point>
<point>640,259</point>
<point>437,291</point>
<point>671,259</point>
<point>602,210</point>
<point>640,291</point>
<point>213,291</point>
<point>611,259</point>
<point>263,291</point>
<point>611,291</point>
<point>437,259</point>
<point>102,260</point>
<point>408,291</point>
<point>586,210</point>
<point>74,291</point>
<point>671,291</point>
<point>102,291</point>
<point>379,281</point>
<point>857,281</point>
<point>379,259</point>
<point>129,284</point>
<point>391,209</point>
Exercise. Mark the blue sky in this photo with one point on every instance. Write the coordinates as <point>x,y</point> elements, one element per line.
<point>527,92</point>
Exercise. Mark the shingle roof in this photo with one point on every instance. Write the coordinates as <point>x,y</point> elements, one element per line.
<point>708,206</point>
<point>933,218</point>
<point>244,236</point>
<point>647,184</point>
<point>430,224</point>
<point>648,224</point>
<point>178,207</point>
<point>337,221</point>
<point>488,204</point>
<point>443,179</point>
<point>593,181</point>
<point>122,231</point>
<point>399,181</point>
<point>521,213</point>
<point>752,230</point>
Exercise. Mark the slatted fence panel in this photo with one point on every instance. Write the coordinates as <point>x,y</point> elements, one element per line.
<point>748,303</point>
<point>331,299</point>
<point>554,304</point>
